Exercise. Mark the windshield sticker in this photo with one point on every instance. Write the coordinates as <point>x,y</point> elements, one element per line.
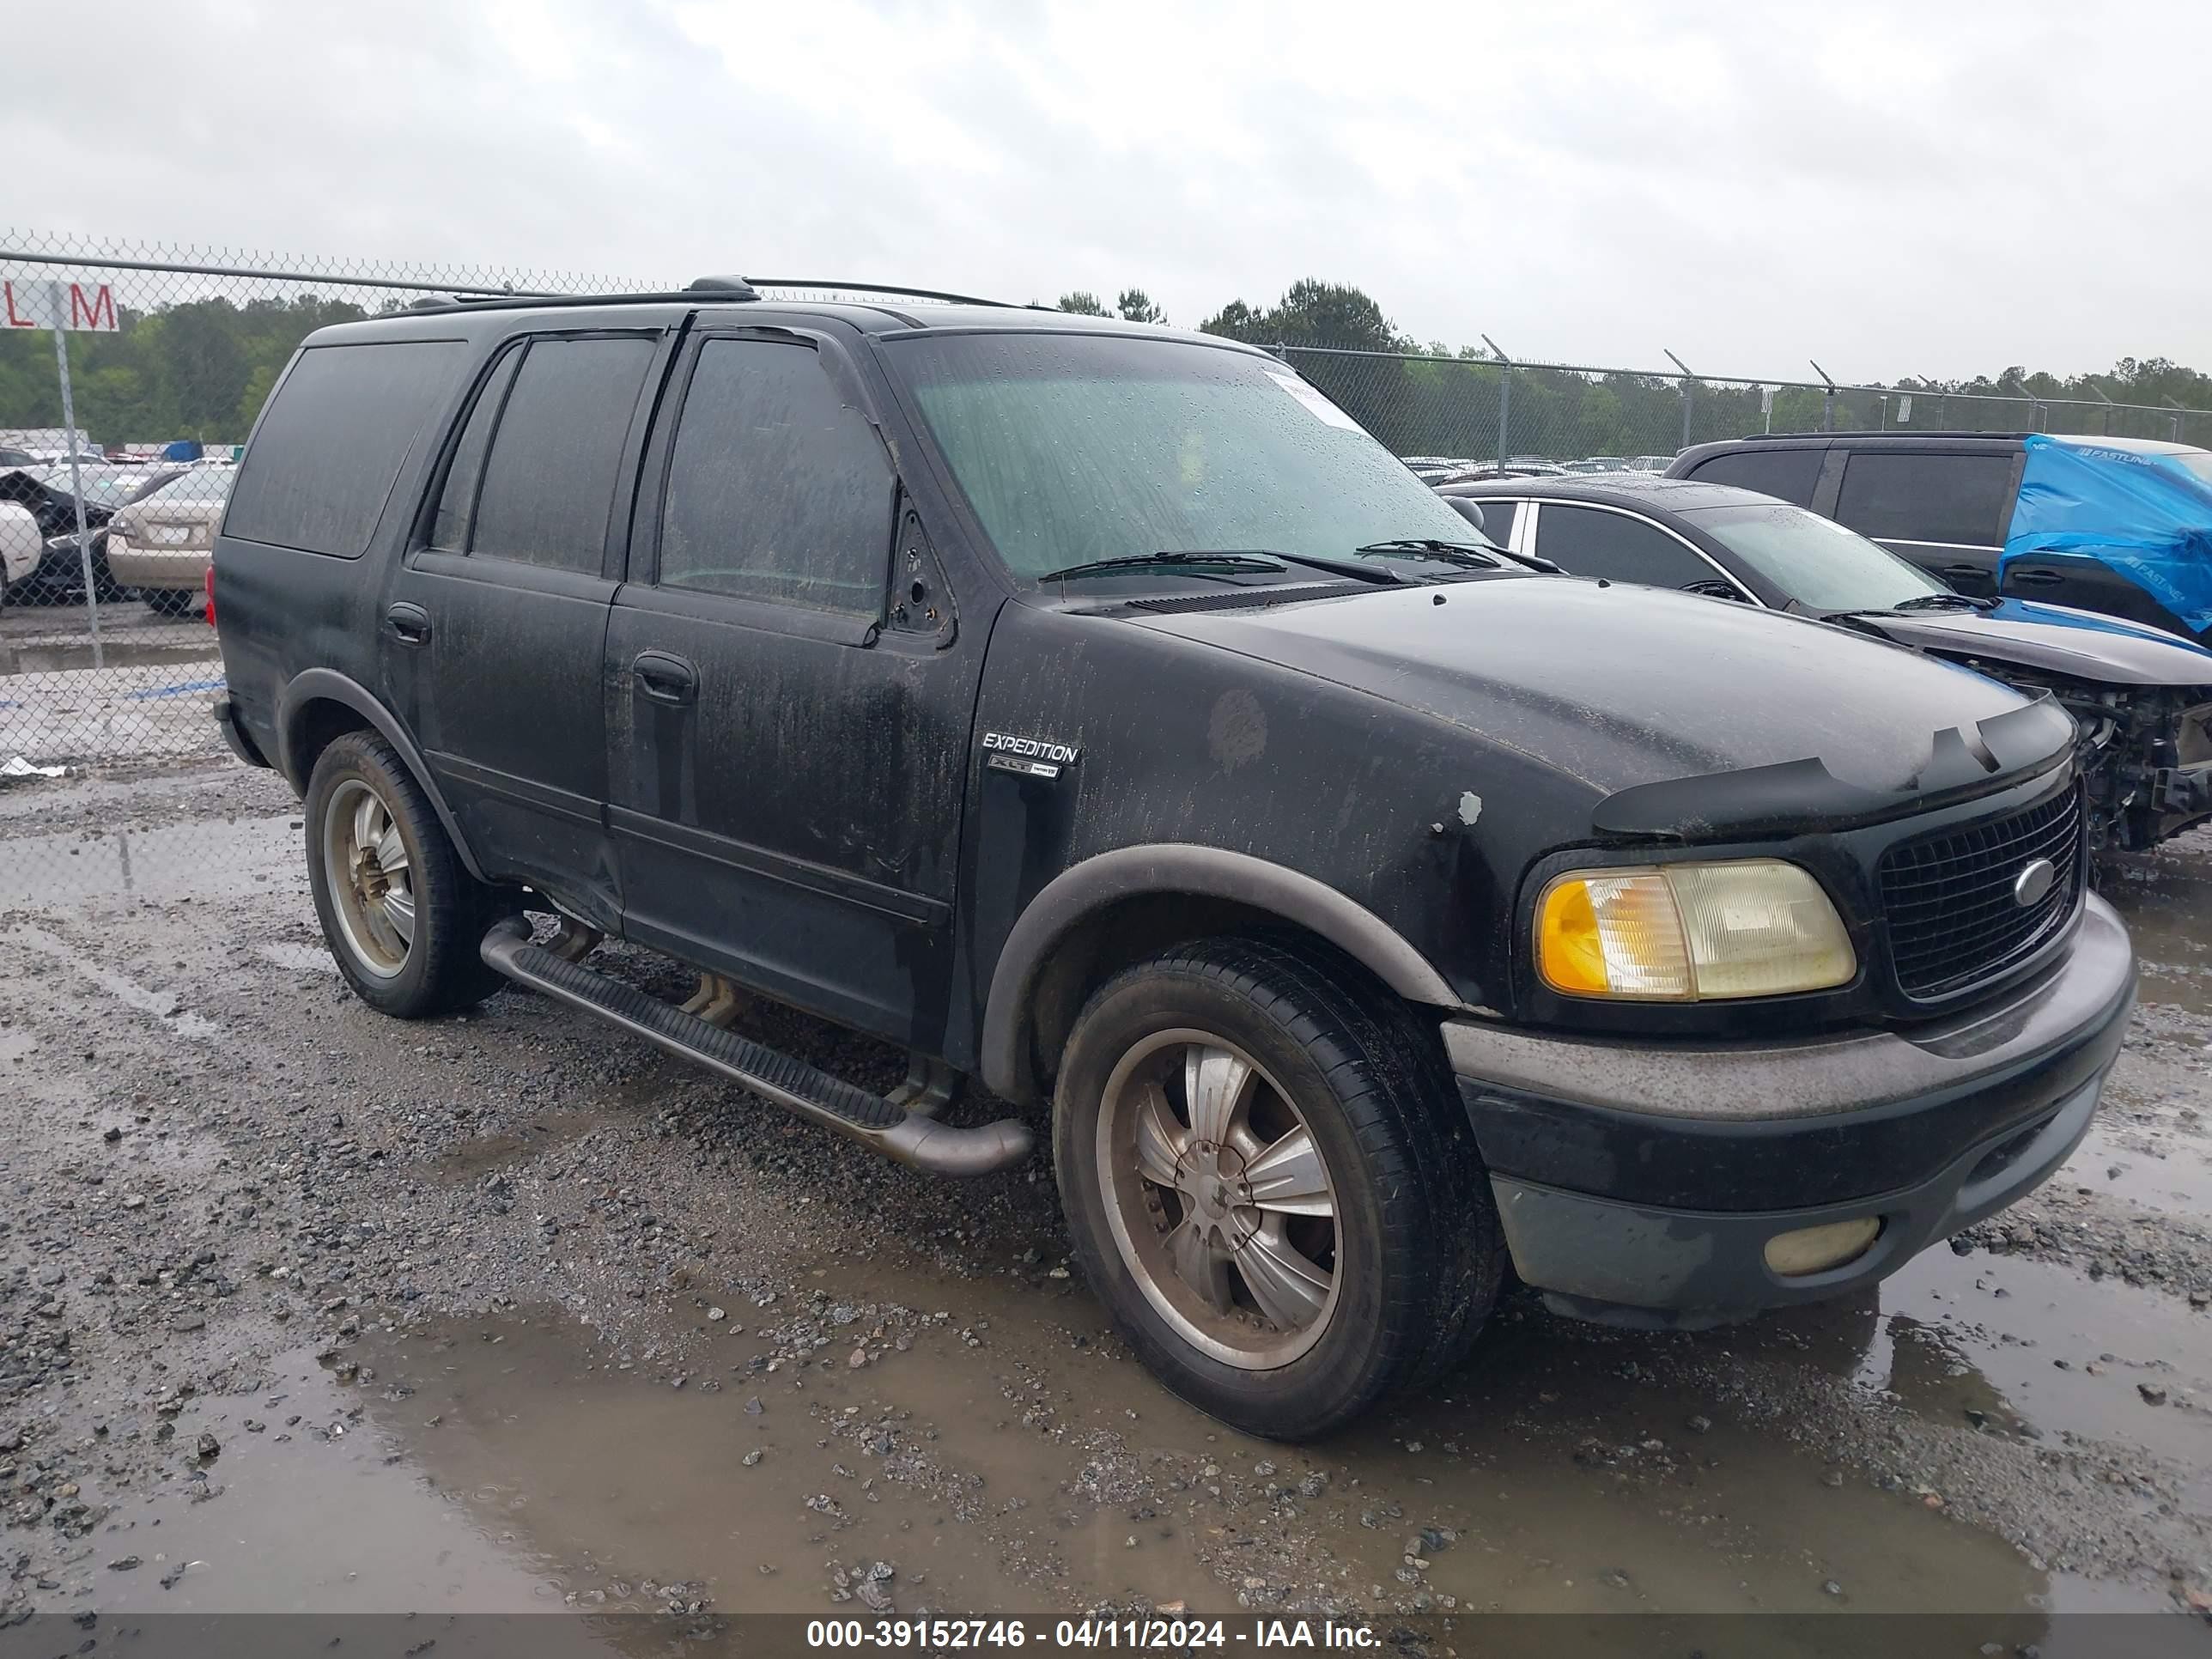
<point>1317,406</point>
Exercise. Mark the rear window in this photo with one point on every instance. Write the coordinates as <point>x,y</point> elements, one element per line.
<point>331,443</point>
<point>1789,474</point>
<point>1920,497</point>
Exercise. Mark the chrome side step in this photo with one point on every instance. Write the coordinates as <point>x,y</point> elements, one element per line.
<point>910,1137</point>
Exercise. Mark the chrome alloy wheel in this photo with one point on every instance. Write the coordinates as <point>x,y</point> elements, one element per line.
<point>1218,1198</point>
<point>370,874</point>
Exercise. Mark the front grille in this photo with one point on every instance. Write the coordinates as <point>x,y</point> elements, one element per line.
<point>1953,921</point>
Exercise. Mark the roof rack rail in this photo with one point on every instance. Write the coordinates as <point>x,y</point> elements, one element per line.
<point>896,289</point>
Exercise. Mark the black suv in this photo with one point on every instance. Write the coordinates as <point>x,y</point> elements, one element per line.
<point>1096,710</point>
<point>1944,500</point>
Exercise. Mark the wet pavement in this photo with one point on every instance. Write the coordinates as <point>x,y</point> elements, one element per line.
<point>506,1313</point>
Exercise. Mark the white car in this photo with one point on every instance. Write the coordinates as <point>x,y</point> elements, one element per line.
<point>162,542</point>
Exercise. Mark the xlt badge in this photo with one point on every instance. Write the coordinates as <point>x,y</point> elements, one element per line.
<point>1032,758</point>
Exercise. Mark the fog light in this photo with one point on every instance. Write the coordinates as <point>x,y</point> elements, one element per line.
<point>1816,1249</point>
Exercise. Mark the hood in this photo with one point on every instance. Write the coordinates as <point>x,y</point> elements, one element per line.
<point>2052,639</point>
<point>1621,686</point>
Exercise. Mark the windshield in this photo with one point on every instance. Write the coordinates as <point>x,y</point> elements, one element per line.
<point>1813,559</point>
<point>1073,449</point>
<point>207,486</point>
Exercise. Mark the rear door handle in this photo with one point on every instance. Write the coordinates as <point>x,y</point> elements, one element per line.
<point>409,623</point>
<point>664,677</point>
<point>2038,578</point>
<point>1967,573</point>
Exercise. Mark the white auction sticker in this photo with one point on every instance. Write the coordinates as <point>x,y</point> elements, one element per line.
<point>1317,405</point>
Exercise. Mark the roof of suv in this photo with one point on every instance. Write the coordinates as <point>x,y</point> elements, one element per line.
<point>884,311</point>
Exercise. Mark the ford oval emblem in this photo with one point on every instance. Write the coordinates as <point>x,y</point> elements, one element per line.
<point>2033,881</point>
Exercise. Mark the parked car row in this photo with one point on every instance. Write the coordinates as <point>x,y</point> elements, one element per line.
<point>2143,696</point>
<point>1369,909</point>
<point>1445,469</point>
<point>150,529</point>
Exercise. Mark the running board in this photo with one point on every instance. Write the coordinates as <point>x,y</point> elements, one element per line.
<point>792,1083</point>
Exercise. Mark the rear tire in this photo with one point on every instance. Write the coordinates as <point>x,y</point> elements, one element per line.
<point>401,913</point>
<point>1271,1184</point>
<point>172,601</point>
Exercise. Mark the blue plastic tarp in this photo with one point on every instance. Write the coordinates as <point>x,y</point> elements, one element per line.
<point>2143,514</point>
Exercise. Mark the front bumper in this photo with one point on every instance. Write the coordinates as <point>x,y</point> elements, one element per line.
<point>1640,1182</point>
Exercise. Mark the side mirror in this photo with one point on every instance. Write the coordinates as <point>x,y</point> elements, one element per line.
<point>1471,511</point>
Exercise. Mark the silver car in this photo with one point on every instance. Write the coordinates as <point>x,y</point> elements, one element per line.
<point>161,542</point>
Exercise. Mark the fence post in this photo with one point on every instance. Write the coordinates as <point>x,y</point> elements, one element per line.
<point>1504,396</point>
<point>77,483</point>
<point>1688,394</point>
<point>1827,398</point>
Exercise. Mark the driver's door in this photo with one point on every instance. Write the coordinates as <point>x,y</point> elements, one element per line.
<point>788,739</point>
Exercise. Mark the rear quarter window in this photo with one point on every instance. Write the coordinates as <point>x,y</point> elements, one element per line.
<point>1918,496</point>
<point>1789,474</point>
<point>329,449</point>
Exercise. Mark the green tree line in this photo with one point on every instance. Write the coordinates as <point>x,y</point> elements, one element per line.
<point>203,369</point>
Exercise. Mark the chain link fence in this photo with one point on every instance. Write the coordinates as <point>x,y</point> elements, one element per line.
<point>107,663</point>
<point>174,350</point>
<point>1467,415</point>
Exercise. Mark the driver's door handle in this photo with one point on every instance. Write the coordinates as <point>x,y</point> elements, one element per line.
<point>664,677</point>
<point>2037,578</point>
<point>409,623</point>
<point>1967,573</point>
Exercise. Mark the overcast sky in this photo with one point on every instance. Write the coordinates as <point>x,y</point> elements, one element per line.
<point>1939,188</point>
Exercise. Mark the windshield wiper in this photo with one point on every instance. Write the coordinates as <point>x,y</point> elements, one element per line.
<point>1150,561</point>
<point>1944,602</point>
<point>1485,553</point>
<point>1263,558</point>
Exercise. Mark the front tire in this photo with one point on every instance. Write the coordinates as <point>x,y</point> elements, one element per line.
<point>401,913</point>
<point>1271,1186</point>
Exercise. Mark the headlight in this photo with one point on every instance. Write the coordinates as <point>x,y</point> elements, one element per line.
<point>1679,933</point>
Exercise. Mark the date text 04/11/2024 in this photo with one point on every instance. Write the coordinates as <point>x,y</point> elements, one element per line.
<point>1171,1635</point>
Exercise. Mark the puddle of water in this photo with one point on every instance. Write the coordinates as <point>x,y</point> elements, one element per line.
<point>2162,900</point>
<point>310,1515</point>
<point>539,1433</point>
<point>1988,1334</point>
<point>200,859</point>
<point>1728,1521</point>
<point>2150,1170</point>
<point>50,657</point>
<point>163,1005</point>
<point>473,1159</point>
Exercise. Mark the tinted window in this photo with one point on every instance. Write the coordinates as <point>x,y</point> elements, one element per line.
<point>1788,473</point>
<point>331,444</point>
<point>1906,495</point>
<point>458,500</point>
<point>777,488</point>
<point>549,482</point>
<point>1497,520</point>
<point>1586,542</point>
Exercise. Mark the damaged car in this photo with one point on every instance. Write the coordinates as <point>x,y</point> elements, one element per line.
<point>2143,696</point>
<point>44,489</point>
<point>1096,716</point>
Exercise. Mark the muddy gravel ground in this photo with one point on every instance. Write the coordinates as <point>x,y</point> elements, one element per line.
<point>306,1309</point>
